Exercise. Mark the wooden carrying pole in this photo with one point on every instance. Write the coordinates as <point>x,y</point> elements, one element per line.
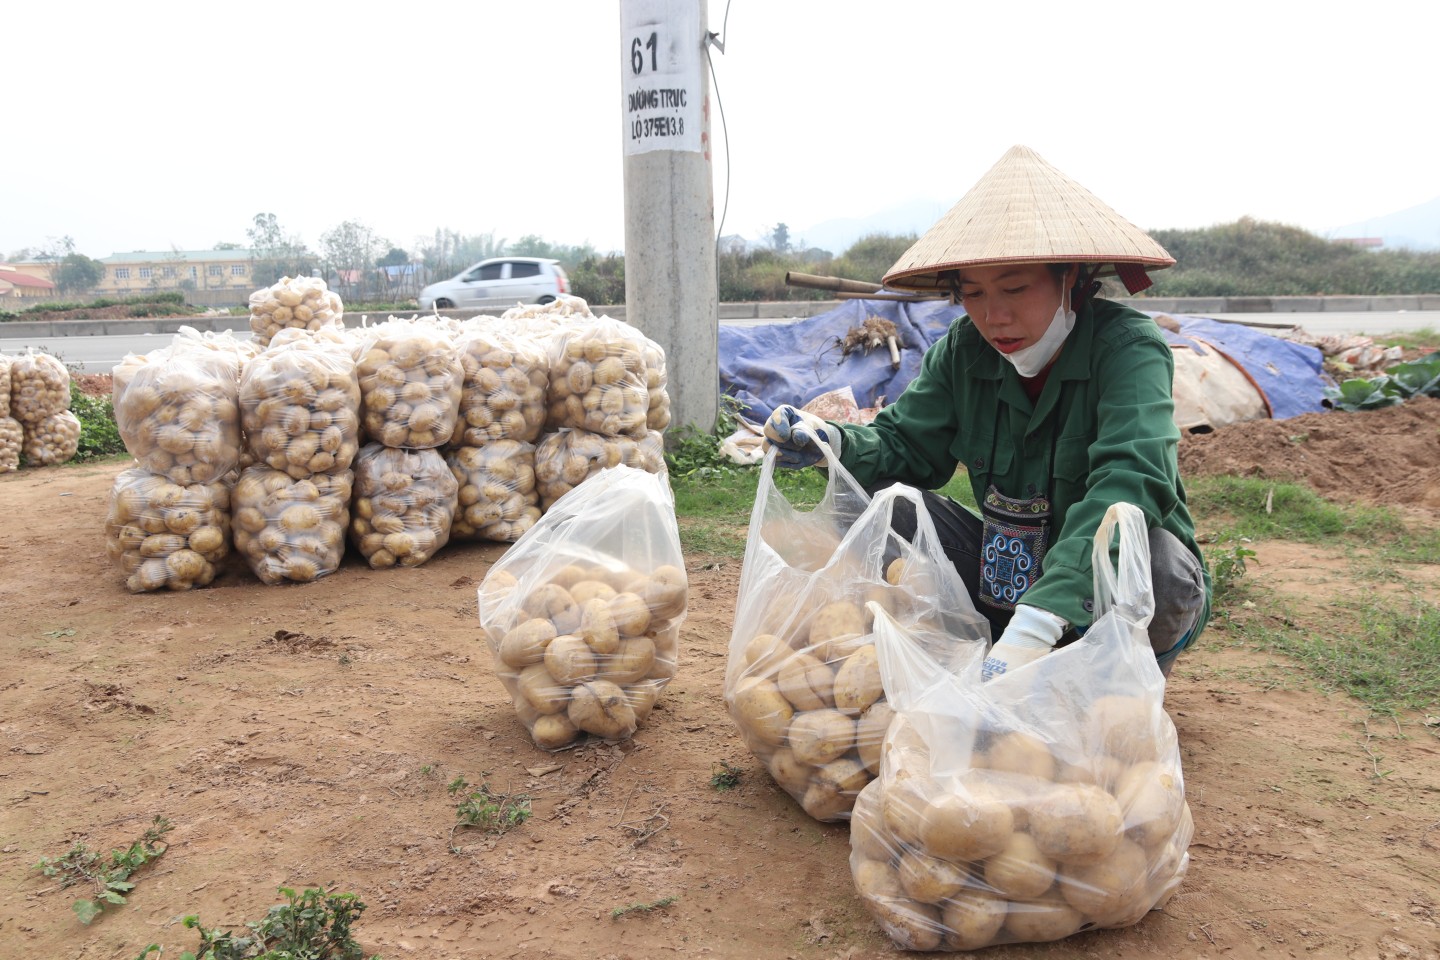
<point>830,283</point>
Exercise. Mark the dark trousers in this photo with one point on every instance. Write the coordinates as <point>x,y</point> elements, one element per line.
<point>1176,575</point>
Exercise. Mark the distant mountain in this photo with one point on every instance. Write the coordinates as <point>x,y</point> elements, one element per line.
<point>1417,228</point>
<point>837,236</point>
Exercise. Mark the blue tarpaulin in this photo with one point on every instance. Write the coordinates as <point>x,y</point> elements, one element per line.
<point>769,364</point>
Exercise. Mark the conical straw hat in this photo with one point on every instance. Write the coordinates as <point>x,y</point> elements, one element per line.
<point>1022,211</point>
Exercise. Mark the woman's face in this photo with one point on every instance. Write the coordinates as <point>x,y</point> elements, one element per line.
<point>1012,304</point>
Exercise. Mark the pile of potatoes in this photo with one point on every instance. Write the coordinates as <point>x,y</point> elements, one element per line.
<point>300,406</point>
<point>4,387</point>
<point>164,535</point>
<point>410,385</point>
<point>176,410</point>
<point>657,417</point>
<point>12,437</point>
<point>289,529</point>
<point>53,440</point>
<point>600,380</point>
<point>564,307</point>
<point>403,507</point>
<point>497,499</point>
<point>1028,844</point>
<point>566,459</point>
<point>300,302</point>
<point>587,648</point>
<point>502,395</point>
<point>39,388</point>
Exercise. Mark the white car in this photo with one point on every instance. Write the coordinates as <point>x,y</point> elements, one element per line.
<point>499,282</point>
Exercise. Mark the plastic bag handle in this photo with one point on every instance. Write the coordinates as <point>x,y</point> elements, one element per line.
<point>833,472</point>
<point>1130,591</point>
<point>924,523</point>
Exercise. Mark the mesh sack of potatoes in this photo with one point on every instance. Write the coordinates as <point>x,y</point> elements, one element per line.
<point>52,441</point>
<point>4,386</point>
<point>224,346</point>
<point>300,406</point>
<point>565,459</point>
<point>583,613</point>
<point>176,410</point>
<point>497,499</point>
<point>803,680</point>
<point>410,384</point>
<point>599,378</point>
<point>403,506</point>
<point>12,438</point>
<point>164,535</point>
<point>563,308</point>
<point>502,395</point>
<point>288,529</point>
<point>1047,801</point>
<point>303,302</point>
<point>39,387</point>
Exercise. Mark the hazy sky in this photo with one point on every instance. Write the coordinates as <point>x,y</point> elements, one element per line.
<point>150,125</point>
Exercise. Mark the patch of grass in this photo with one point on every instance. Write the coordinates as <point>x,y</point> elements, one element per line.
<point>314,925</point>
<point>99,436</point>
<point>1426,338</point>
<point>660,904</point>
<point>109,878</point>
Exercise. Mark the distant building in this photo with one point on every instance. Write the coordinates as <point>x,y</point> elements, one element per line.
<point>18,284</point>
<point>141,271</point>
<point>732,243</point>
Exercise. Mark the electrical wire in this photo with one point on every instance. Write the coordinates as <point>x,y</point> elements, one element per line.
<point>720,106</point>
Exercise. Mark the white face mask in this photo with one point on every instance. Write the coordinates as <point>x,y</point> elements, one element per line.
<point>1030,360</point>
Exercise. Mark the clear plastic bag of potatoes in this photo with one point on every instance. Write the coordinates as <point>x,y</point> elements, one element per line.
<point>39,387</point>
<point>497,498</point>
<point>4,386</point>
<point>177,411</point>
<point>302,302</point>
<point>566,459</point>
<point>51,441</point>
<point>503,391</point>
<point>600,378</point>
<point>12,438</point>
<point>1047,801</point>
<point>289,529</point>
<point>410,384</point>
<point>164,535</point>
<point>583,613</point>
<point>803,679</point>
<point>403,507</point>
<point>300,406</point>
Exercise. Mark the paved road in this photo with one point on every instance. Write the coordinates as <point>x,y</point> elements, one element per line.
<point>100,354</point>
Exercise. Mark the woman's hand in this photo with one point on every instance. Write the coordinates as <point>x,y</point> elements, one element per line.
<point>792,432</point>
<point>1030,635</point>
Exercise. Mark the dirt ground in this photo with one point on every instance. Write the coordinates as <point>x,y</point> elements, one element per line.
<point>305,735</point>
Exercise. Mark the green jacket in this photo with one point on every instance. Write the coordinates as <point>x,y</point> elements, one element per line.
<point>1106,406</point>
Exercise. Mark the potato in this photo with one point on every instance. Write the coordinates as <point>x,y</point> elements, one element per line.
<point>764,652</point>
<point>566,459</point>
<point>1111,889</point>
<point>504,380</point>
<point>410,384</point>
<point>597,625</point>
<point>1019,870</point>
<point>1076,823</point>
<point>631,661</point>
<point>497,498</point>
<point>789,772</point>
<point>857,681</point>
<point>832,625</point>
<point>600,707</point>
<point>643,697</point>
<point>969,825</point>
<point>833,789</point>
<point>1126,728</point>
<point>930,879</point>
<point>553,731</point>
<point>1042,919</point>
<point>667,592</point>
<point>762,711</point>
<point>1152,799</point>
<point>1102,770</point>
<point>12,438</point>
<point>600,380</point>
<point>1020,753</point>
<point>541,691</point>
<point>526,644</point>
<point>910,924</point>
<point>301,302</point>
<point>806,682</point>
<point>905,805</point>
<point>300,407</point>
<point>972,918</point>
<point>820,736</point>
<point>141,502</point>
<point>409,497</point>
<point>289,529</point>
<point>870,735</point>
<point>584,589</point>
<point>867,824</point>
<point>569,659</point>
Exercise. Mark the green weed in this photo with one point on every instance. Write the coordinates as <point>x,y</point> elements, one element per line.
<point>1227,566</point>
<point>110,878</point>
<point>485,810</point>
<point>314,925</point>
<point>653,905</point>
<point>726,777</point>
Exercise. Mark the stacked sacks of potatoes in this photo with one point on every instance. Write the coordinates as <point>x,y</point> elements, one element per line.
<point>410,384</point>
<point>40,402</point>
<point>301,410</point>
<point>165,535</point>
<point>583,619</point>
<point>565,459</point>
<point>403,507</point>
<point>1028,842</point>
<point>304,303</point>
<point>502,396</point>
<point>12,435</point>
<point>177,412</point>
<point>496,498</point>
<point>604,376</point>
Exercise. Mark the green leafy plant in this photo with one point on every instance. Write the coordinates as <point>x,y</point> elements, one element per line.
<point>313,925</point>
<point>1227,566</point>
<point>483,809</point>
<point>660,904</point>
<point>725,777</point>
<point>99,436</point>
<point>110,878</point>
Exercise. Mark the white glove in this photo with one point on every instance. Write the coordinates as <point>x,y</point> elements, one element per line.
<point>1031,634</point>
<point>792,431</point>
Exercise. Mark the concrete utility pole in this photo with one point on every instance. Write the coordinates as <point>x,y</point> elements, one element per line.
<point>670,289</point>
